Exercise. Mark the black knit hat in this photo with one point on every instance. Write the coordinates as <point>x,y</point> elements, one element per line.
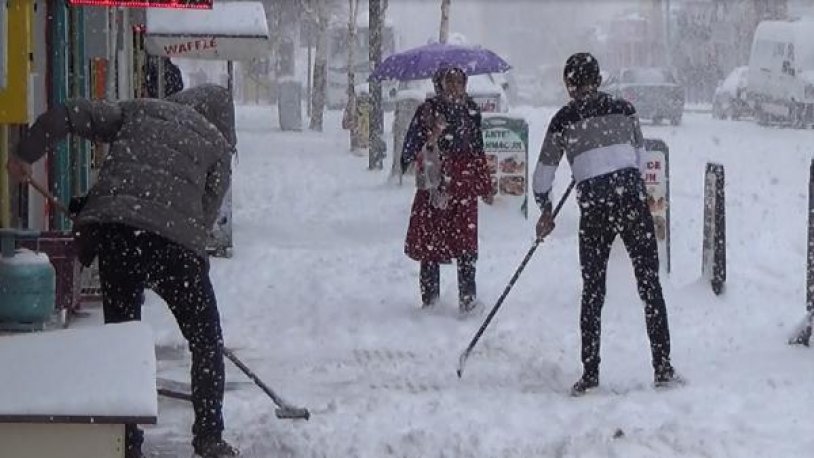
<point>581,70</point>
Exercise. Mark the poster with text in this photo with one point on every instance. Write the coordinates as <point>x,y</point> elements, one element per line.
<point>656,174</point>
<point>505,143</point>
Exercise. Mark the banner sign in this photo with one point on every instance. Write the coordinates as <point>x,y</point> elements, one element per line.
<point>656,174</point>
<point>206,47</point>
<point>505,142</point>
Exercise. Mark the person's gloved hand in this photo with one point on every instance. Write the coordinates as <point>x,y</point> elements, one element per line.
<point>18,168</point>
<point>545,224</point>
<point>76,204</point>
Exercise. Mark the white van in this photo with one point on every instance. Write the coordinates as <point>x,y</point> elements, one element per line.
<point>781,72</point>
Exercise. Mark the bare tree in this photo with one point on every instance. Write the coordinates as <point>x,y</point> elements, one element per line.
<point>443,35</point>
<point>319,12</point>
<point>350,117</point>
<point>377,147</point>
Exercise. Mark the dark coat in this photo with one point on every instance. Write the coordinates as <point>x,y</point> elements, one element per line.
<point>169,163</point>
<point>173,81</point>
<point>439,235</point>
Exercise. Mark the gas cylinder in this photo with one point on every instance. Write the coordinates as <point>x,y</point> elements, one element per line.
<point>27,283</point>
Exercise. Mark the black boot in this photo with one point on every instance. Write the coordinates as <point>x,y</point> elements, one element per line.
<point>430,283</point>
<point>133,438</point>
<point>588,381</point>
<point>214,448</point>
<point>467,288</point>
<point>133,453</point>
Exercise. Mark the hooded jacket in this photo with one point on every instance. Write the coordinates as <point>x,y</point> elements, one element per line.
<point>169,164</point>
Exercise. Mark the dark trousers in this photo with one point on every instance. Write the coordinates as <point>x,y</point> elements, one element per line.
<point>615,205</point>
<point>130,261</point>
<point>430,279</point>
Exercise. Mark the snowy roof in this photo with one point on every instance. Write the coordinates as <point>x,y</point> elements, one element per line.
<point>101,371</point>
<point>234,19</point>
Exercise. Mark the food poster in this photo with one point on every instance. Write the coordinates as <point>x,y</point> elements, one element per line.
<point>505,143</point>
<point>655,171</point>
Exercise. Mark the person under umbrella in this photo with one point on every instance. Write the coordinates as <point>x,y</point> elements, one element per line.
<point>446,143</point>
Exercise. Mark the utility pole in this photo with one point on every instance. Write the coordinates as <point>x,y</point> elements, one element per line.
<point>377,147</point>
<point>443,35</point>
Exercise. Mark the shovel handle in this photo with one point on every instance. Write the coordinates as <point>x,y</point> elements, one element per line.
<point>48,196</point>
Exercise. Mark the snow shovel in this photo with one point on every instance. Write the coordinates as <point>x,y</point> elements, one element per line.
<point>284,409</point>
<point>465,354</point>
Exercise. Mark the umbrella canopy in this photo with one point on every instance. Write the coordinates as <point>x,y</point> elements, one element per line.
<point>422,62</point>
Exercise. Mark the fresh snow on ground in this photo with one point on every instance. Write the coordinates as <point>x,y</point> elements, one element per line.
<point>321,302</point>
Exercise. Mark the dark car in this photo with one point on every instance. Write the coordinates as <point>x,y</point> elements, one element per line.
<point>730,96</point>
<point>652,90</point>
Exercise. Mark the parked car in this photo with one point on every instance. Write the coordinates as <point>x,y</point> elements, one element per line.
<point>525,90</point>
<point>652,90</point>
<point>485,89</point>
<point>550,87</point>
<point>781,72</point>
<point>730,96</point>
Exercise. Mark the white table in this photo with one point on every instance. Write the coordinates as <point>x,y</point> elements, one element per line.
<point>69,393</point>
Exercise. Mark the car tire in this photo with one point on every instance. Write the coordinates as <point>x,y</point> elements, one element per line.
<point>675,121</point>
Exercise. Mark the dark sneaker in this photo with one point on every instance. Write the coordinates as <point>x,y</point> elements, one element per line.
<point>587,382</point>
<point>215,449</point>
<point>667,378</point>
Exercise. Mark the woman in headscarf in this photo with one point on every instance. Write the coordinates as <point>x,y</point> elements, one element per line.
<point>451,173</point>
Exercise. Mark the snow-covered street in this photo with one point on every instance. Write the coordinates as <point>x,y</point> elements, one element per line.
<point>321,302</point>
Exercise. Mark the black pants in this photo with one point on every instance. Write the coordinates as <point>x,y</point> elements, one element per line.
<point>132,260</point>
<point>614,205</point>
<point>430,279</point>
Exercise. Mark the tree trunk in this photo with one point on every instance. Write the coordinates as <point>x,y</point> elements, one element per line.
<point>320,67</point>
<point>350,108</point>
<point>377,146</point>
<point>443,35</point>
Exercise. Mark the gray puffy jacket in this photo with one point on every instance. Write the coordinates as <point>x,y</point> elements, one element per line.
<point>169,164</point>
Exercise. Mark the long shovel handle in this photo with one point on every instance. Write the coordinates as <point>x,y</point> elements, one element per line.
<point>48,196</point>
<point>465,354</point>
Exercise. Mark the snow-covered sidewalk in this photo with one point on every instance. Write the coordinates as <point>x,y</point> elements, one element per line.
<point>321,302</point>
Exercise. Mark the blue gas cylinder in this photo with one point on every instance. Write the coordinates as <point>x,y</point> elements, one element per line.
<point>27,281</point>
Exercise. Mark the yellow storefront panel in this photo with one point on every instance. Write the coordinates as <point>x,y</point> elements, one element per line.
<point>14,97</point>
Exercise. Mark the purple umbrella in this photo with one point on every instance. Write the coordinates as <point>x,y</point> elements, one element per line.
<point>420,63</point>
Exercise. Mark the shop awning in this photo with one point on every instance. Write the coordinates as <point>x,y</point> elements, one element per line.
<point>229,31</point>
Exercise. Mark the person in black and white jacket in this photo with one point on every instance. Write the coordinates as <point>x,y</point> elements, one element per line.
<point>602,140</point>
